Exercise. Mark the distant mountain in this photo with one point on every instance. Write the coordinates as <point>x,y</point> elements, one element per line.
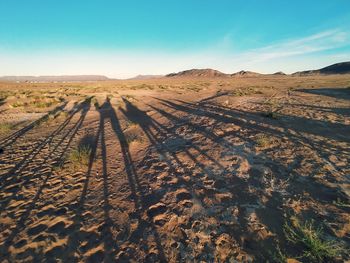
<point>198,73</point>
<point>279,73</point>
<point>338,68</point>
<point>147,77</point>
<point>244,73</point>
<point>54,78</point>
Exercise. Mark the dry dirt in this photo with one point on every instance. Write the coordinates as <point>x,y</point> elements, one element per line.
<point>180,170</point>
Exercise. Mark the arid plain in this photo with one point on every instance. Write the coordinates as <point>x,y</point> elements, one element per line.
<point>192,169</point>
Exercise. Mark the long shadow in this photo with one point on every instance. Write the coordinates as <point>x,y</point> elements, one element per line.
<point>14,173</point>
<point>141,203</point>
<point>55,151</point>
<point>296,128</point>
<point>156,133</point>
<point>234,116</point>
<point>339,111</point>
<point>338,93</point>
<point>253,121</point>
<point>109,243</point>
<point>8,141</point>
<point>45,178</point>
<point>151,127</point>
<point>229,115</point>
<point>74,238</point>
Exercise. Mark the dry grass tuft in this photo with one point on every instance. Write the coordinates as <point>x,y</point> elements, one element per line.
<point>263,140</point>
<point>80,156</point>
<point>5,127</point>
<point>316,247</point>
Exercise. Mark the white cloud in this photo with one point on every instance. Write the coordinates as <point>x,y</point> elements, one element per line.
<point>322,41</point>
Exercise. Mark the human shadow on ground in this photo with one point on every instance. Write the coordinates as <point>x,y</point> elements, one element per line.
<point>40,179</point>
<point>252,124</point>
<point>109,115</point>
<point>9,140</point>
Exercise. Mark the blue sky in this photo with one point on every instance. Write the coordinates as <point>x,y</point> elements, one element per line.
<point>125,38</point>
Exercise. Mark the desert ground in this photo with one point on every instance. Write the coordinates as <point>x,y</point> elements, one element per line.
<point>250,169</point>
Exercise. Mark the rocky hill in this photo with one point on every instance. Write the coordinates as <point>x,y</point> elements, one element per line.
<point>198,73</point>
<point>338,68</point>
<point>244,73</point>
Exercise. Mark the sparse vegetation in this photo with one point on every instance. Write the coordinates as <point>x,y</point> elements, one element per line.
<point>44,102</point>
<point>18,104</point>
<point>274,106</point>
<point>245,91</point>
<point>263,140</point>
<point>311,239</point>
<point>5,127</point>
<point>194,88</point>
<point>38,102</point>
<point>80,156</point>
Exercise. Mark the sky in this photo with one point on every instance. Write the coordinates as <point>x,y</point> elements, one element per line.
<point>121,39</point>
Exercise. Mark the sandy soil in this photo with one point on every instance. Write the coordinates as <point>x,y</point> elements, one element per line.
<point>179,170</point>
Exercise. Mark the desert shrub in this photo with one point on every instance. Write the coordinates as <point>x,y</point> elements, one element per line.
<point>80,156</point>
<point>263,140</point>
<point>315,247</point>
<point>133,133</point>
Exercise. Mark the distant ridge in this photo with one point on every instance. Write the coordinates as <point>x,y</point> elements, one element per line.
<point>338,68</point>
<point>140,77</point>
<point>198,73</point>
<point>244,73</point>
<point>212,73</point>
<point>279,73</point>
<point>55,78</point>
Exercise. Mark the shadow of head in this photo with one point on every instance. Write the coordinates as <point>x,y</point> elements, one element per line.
<point>135,115</point>
<point>88,141</point>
